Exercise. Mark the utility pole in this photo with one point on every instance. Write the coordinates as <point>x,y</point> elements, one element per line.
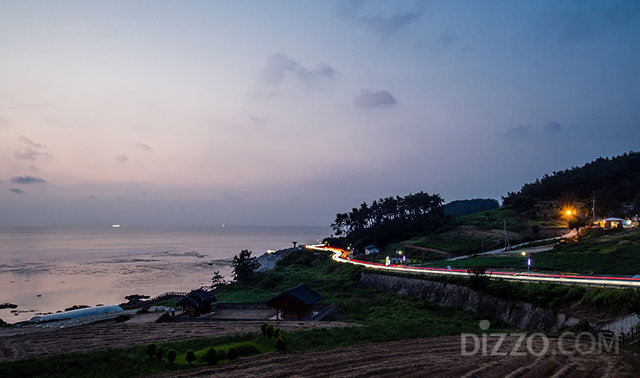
<point>593,211</point>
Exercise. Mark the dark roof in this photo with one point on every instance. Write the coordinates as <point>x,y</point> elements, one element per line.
<point>301,293</point>
<point>201,295</point>
<point>197,298</point>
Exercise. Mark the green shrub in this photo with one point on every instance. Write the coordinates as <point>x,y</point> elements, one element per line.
<point>246,349</point>
<point>281,344</point>
<point>263,329</point>
<point>150,349</point>
<point>277,333</point>
<point>270,331</point>
<point>171,356</point>
<point>232,353</point>
<point>211,356</point>
<point>190,357</point>
<point>159,353</point>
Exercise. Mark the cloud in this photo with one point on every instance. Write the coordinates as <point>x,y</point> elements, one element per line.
<point>91,196</point>
<point>371,100</point>
<point>580,21</point>
<point>16,191</point>
<point>4,122</point>
<point>121,158</point>
<point>28,141</point>
<point>446,39</point>
<point>522,131</point>
<point>27,180</point>
<point>142,146</point>
<point>375,19</point>
<point>280,65</point>
<point>28,154</point>
<point>552,126</point>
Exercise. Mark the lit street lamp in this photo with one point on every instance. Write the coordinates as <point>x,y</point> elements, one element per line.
<point>528,260</point>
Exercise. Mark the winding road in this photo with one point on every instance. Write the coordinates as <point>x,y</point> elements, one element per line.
<point>342,256</point>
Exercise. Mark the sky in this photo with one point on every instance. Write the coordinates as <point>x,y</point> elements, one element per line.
<point>289,112</point>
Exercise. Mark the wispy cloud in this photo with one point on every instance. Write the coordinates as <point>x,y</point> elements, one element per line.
<point>27,154</point>
<point>376,21</point>
<point>121,158</point>
<point>17,191</point>
<point>280,65</point>
<point>446,39</point>
<point>28,141</point>
<point>374,99</point>
<point>4,122</point>
<point>580,21</point>
<point>27,180</point>
<point>142,146</point>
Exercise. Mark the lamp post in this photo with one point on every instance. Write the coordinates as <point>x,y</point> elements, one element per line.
<point>528,260</point>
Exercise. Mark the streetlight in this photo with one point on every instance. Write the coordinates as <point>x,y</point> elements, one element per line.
<point>528,260</point>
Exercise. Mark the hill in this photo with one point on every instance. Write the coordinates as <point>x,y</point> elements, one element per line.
<point>613,182</point>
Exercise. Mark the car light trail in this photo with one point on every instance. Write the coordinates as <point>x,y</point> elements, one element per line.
<point>342,256</point>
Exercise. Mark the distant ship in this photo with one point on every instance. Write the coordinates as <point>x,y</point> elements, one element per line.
<point>115,226</point>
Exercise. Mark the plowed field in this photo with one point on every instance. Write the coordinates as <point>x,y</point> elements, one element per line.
<point>20,343</point>
<point>437,357</point>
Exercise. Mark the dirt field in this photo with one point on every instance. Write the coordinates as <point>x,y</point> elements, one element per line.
<point>437,357</point>
<point>19,343</point>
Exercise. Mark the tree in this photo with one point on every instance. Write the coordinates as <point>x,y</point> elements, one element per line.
<point>211,356</point>
<point>281,344</point>
<point>244,266</point>
<point>218,280</point>
<point>171,356</point>
<point>159,353</point>
<point>191,356</point>
<point>151,349</point>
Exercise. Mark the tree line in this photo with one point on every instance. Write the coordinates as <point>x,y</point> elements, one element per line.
<point>613,182</point>
<point>390,217</point>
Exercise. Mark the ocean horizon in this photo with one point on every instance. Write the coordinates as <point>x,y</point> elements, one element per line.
<point>49,268</point>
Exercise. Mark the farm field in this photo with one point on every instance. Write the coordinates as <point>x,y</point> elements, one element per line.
<point>434,357</point>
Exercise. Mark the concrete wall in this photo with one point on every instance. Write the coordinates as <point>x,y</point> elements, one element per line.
<point>519,314</point>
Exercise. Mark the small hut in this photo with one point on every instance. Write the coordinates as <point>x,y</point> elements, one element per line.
<point>294,303</point>
<point>197,302</point>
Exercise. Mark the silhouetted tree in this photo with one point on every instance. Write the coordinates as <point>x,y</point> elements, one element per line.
<point>244,266</point>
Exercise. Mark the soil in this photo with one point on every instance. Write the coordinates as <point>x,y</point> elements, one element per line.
<point>18,343</point>
<point>436,357</point>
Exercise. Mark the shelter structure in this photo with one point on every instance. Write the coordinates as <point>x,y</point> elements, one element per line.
<point>74,314</point>
<point>197,302</point>
<point>294,303</point>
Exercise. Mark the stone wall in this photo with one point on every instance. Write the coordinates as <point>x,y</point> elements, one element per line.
<point>519,314</point>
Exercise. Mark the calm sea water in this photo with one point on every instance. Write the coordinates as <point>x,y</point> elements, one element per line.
<point>45,269</point>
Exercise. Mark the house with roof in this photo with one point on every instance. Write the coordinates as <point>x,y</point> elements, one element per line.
<point>197,302</point>
<point>294,303</point>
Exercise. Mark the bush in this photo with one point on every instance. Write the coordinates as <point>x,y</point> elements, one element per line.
<point>190,357</point>
<point>211,356</point>
<point>232,354</point>
<point>164,318</point>
<point>171,356</point>
<point>151,349</point>
<point>281,344</point>
<point>246,349</point>
<point>122,318</point>
<point>159,353</point>
<point>270,331</point>
<point>277,333</point>
<point>263,329</point>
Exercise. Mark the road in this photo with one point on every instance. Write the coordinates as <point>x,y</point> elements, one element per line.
<point>342,256</point>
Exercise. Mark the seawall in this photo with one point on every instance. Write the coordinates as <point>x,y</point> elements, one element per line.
<point>519,314</point>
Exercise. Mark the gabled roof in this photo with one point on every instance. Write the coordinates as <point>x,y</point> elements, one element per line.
<point>301,293</point>
<point>196,298</point>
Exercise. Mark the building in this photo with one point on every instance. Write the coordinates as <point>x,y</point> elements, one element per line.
<point>197,302</point>
<point>371,250</point>
<point>294,303</point>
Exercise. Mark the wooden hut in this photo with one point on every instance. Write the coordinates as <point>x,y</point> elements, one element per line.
<point>294,303</point>
<point>197,302</point>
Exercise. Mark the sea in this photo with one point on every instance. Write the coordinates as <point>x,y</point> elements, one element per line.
<point>45,269</point>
